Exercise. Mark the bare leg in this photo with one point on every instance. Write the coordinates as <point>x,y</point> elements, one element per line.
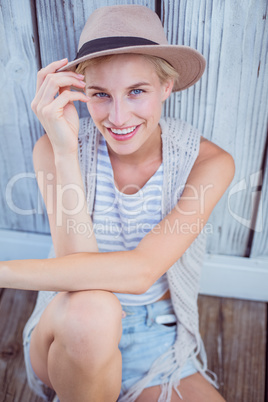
<point>194,388</point>
<point>74,348</point>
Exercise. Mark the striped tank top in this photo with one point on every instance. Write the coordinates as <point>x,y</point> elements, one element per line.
<point>121,220</point>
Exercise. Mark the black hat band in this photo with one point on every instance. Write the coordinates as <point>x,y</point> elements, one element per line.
<point>114,42</point>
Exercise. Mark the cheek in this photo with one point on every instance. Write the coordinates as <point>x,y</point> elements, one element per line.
<point>96,111</point>
<point>150,108</point>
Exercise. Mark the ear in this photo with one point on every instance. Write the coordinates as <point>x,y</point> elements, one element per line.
<point>167,89</point>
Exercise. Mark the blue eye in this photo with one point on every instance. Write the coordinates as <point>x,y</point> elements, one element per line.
<point>101,95</point>
<point>137,91</point>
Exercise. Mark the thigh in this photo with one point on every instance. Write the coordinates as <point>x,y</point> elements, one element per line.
<point>194,388</point>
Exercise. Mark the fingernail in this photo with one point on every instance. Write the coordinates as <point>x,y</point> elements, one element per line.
<point>81,76</point>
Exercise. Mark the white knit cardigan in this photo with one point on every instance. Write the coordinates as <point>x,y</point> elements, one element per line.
<point>180,147</point>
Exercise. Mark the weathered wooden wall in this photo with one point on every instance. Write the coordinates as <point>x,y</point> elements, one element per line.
<point>229,104</point>
<point>19,129</point>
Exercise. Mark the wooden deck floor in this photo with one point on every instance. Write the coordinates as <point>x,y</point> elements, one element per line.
<point>234,333</point>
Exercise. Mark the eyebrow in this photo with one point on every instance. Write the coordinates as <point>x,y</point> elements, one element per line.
<point>138,84</point>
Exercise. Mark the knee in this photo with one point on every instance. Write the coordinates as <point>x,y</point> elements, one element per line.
<point>85,320</point>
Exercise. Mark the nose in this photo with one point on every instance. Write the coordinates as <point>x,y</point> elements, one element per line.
<point>119,113</point>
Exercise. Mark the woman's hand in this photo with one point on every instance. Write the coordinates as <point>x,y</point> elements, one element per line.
<point>58,114</point>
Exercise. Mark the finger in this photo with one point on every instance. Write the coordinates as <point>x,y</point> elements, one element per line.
<point>53,84</point>
<point>70,96</point>
<point>71,87</point>
<point>58,80</point>
<point>62,89</point>
<point>49,69</point>
<point>61,101</point>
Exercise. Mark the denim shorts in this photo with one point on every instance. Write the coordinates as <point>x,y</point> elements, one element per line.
<point>143,341</point>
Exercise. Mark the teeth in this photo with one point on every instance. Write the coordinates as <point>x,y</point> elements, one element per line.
<point>124,131</point>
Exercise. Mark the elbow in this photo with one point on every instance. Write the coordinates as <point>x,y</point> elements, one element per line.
<point>146,274</point>
<point>146,280</point>
<point>142,286</point>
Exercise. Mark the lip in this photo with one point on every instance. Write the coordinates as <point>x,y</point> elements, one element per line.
<point>123,137</point>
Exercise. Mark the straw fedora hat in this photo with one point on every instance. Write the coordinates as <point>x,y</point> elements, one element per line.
<point>135,29</point>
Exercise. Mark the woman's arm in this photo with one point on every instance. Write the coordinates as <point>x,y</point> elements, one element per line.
<point>56,161</point>
<point>136,270</point>
<point>60,183</point>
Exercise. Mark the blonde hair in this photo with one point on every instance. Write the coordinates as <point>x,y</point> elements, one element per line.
<point>163,69</point>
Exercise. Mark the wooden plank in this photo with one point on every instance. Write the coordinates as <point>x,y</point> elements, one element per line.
<point>229,104</point>
<point>15,308</point>
<point>234,334</point>
<point>18,127</point>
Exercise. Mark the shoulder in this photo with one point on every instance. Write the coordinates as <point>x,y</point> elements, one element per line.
<point>209,152</point>
<point>216,162</point>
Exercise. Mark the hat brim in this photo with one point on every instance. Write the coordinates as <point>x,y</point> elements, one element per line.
<point>188,62</point>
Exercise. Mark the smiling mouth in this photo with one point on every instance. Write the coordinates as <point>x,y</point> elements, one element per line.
<point>123,131</point>
<point>123,134</point>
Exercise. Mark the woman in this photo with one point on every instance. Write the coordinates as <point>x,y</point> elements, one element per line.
<point>124,192</point>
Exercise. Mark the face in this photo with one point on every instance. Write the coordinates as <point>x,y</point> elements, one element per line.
<point>125,104</point>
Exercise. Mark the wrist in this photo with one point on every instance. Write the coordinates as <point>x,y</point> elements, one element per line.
<point>65,159</point>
